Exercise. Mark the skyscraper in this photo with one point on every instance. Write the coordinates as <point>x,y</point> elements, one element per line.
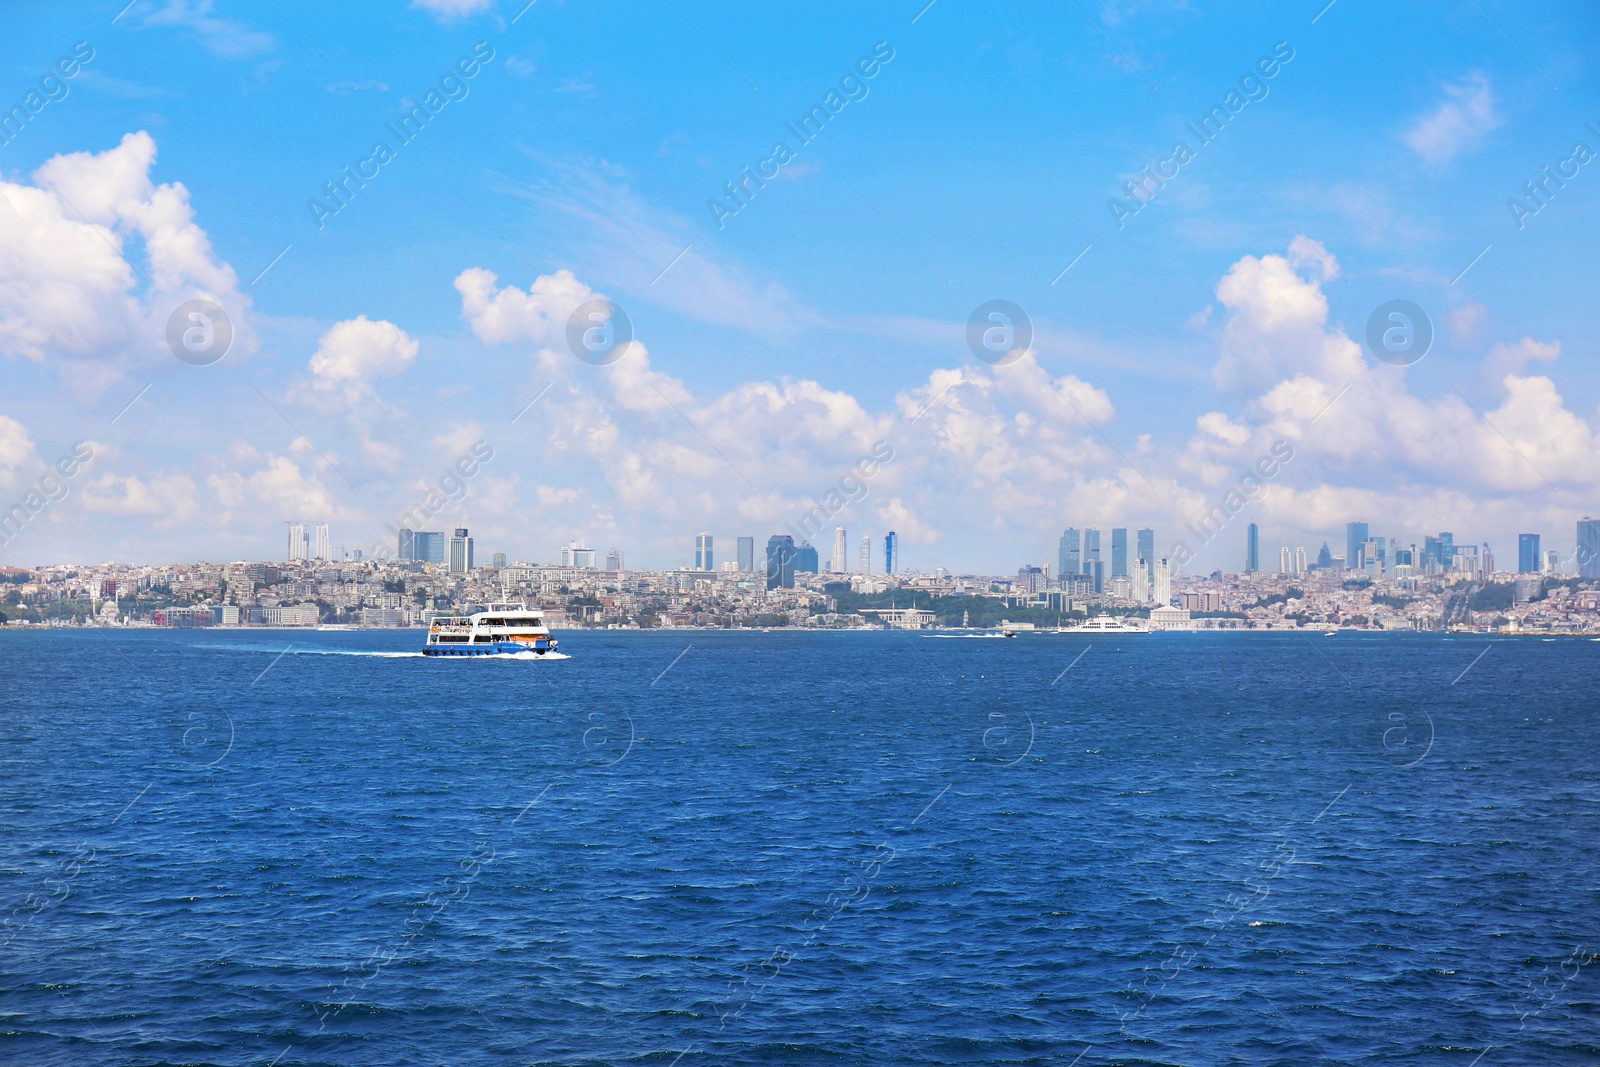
<point>322,547</point>
<point>1527,553</point>
<point>1252,549</point>
<point>747,554</point>
<point>614,557</point>
<point>1355,538</point>
<point>407,548</point>
<point>1069,556</point>
<point>1141,581</point>
<point>1324,558</point>
<point>780,561</point>
<point>460,551</point>
<point>1162,593</point>
<point>1147,551</point>
<point>499,560</point>
<point>1285,561</point>
<point>891,548</point>
<point>1300,560</point>
<point>429,545</point>
<point>805,559</point>
<point>866,555</point>
<point>1588,547</point>
<point>841,551</point>
<point>702,553</point>
<point>1119,552</point>
<point>1091,548</point>
<point>297,541</point>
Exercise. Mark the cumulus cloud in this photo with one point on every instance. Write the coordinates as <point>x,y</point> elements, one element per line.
<point>167,499</point>
<point>67,287</point>
<point>1458,123</point>
<point>356,352</point>
<point>453,9</point>
<point>18,457</point>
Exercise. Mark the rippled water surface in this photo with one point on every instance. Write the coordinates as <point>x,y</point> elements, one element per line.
<point>803,848</point>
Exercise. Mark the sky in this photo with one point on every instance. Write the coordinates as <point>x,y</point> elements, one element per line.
<point>781,234</point>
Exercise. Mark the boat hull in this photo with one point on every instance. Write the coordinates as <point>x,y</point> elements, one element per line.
<point>498,648</point>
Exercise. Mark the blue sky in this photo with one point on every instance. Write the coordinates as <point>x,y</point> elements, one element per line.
<point>830,311</point>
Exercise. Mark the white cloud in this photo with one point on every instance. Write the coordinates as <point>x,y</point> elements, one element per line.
<point>168,498</point>
<point>356,352</point>
<point>1458,123</point>
<point>453,9</point>
<point>66,290</point>
<point>18,457</point>
<point>223,37</point>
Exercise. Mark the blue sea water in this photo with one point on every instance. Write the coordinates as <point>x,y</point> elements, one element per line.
<point>799,848</point>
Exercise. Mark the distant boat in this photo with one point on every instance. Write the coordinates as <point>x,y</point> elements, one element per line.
<point>1108,624</point>
<point>502,630</point>
<point>1331,633</point>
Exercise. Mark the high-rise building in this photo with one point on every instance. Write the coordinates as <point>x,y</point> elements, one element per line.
<point>891,548</point>
<point>297,541</point>
<point>1447,548</point>
<point>460,551</point>
<point>866,555</point>
<point>1095,571</point>
<point>1147,551</point>
<point>1285,561</point>
<point>407,547</point>
<point>702,553</point>
<point>322,546</point>
<point>1486,560</point>
<point>1162,593</point>
<point>841,551</point>
<point>499,561</point>
<point>1552,561</point>
<point>1356,536</point>
<point>1300,560</point>
<point>429,546</point>
<point>780,562</point>
<point>805,559</point>
<point>1091,548</point>
<point>1252,549</point>
<point>1119,552</point>
<point>747,554</point>
<point>1527,553</point>
<point>1141,581</point>
<point>1324,558</point>
<point>1069,555</point>
<point>614,557</point>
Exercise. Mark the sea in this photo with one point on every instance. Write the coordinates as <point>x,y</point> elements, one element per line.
<point>683,848</point>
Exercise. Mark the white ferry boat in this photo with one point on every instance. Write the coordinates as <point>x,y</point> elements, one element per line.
<point>502,630</point>
<point>1108,624</point>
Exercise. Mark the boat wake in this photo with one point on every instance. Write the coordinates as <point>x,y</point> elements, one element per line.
<point>268,649</point>
<point>966,637</point>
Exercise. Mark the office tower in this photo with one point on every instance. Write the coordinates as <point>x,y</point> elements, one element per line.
<point>1486,560</point>
<point>499,559</point>
<point>1091,548</point>
<point>322,547</point>
<point>1119,552</point>
<point>1163,584</point>
<point>866,555</point>
<point>1403,557</point>
<point>1356,535</point>
<point>1069,555</point>
<point>1552,562</point>
<point>296,543</point>
<point>702,553</point>
<point>1147,551</point>
<point>1527,553</point>
<point>1324,558</point>
<point>891,548</point>
<point>1096,573</point>
<point>747,554</point>
<point>1285,561</point>
<point>1300,560</point>
<point>614,557</point>
<point>429,545</point>
<point>780,561</point>
<point>1447,549</point>
<point>1141,581</point>
<point>583,556</point>
<point>460,551</point>
<point>805,559</point>
<point>1252,549</point>
<point>841,551</point>
<point>408,545</point>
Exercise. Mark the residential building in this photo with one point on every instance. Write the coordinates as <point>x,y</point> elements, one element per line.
<point>1285,561</point>
<point>297,541</point>
<point>1300,560</point>
<point>322,546</point>
<point>866,556</point>
<point>1162,593</point>
<point>780,562</point>
<point>1141,581</point>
